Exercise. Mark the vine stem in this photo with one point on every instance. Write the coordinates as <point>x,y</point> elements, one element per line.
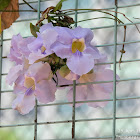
<point>102,10</point>
<point>45,14</point>
<point>17,11</point>
<point>30,6</point>
<point>33,9</point>
<point>122,50</point>
<point>96,18</point>
<point>136,18</point>
<point>95,10</point>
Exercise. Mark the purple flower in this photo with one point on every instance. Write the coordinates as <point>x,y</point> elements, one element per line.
<point>35,83</point>
<point>94,91</point>
<point>40,47</point>
<point>16,71</point>
<point>19,50</point>
<point>33,78</point>
<point>75,45</point>
<point>19,54</point>
<point>103,59</point>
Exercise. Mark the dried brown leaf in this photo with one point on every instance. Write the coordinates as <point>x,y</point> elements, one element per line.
<point>7,18</point>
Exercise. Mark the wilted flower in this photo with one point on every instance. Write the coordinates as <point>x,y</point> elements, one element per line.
<point>93,91</point>
<point>98,91</point>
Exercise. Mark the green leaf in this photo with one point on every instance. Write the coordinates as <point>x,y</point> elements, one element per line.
<point>4,4</point>
<point>34,29</point>
<point>59,5</point>
<point>64,71</point>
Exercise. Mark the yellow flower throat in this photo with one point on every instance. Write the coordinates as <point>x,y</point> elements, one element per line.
<point>78,44</point>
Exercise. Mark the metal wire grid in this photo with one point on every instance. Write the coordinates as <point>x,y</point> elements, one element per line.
<point>114,99</point>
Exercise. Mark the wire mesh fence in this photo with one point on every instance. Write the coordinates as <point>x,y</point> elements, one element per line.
<point>118,120</point>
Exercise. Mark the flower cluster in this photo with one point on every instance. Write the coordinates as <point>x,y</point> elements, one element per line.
<point>57,56</point>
